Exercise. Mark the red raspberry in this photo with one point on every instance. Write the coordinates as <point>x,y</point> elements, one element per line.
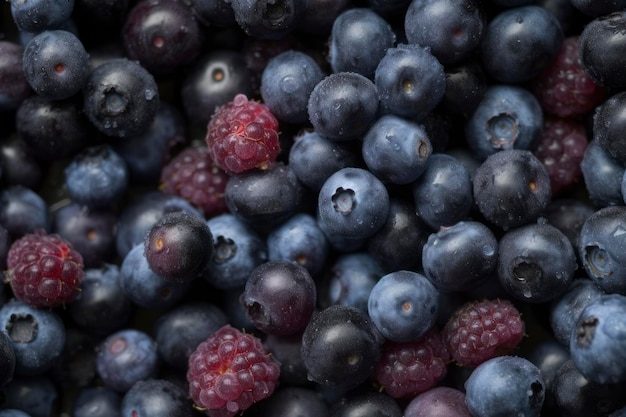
<point>561,149</point>
<point>564,88</point>
<point>193,176</point>
<point>481,330</point>
<point>243,135</point>
<point>229,372</point>
<point>44,270</point>
<point>410,368</point>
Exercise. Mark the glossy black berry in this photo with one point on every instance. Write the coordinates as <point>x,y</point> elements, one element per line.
<point>179,246</point>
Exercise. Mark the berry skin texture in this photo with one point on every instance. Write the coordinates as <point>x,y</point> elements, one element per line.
<point>408,369</point>
<point>243,135</point>
<point>193,175</point>
<point>229,372</point>
<point>44,270</point>
<point>481,330</point>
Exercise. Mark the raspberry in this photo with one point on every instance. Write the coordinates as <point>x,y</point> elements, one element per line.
<point>229,372</point>
<point>561,149</point>
<point>564,88</point>
<point>410,368</point>
<point>193,176</point>
<point>243,135</point>
<point>44,270</point>
<point>481,330</point>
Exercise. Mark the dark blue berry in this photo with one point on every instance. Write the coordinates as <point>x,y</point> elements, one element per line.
<point>292,401</point>
<point>126,357</point>
<point>403,305</point>
<point>353,204</point>
<point>97,177</point>
<point>7,359</point>
<point>39,15</point>
<point>507,117</point>
<point>410,81</point>
<point>97,402</point>
<point>14,87</point>
<point>443,193</point>
<point>56,64</point>
<point>268,19</point>
<point>603,176</point>
<point>520,42</point>
<point>366,404</point>
<point>156,398</point>
<point>23,211</point>
<point>358,40</point>
<point>33,396</point>
<point>238,250</point>
<point>451,268</point>
<point>608,121</point>
<point>121,98</point>
<point>451,29</point>
<point>37,335</point>
<point>287,82</point>
<point>343,105</point>
<point>466,84</point>
<point>396,150</point>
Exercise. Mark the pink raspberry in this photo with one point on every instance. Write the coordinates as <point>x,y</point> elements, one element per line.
<point>409,368</point>
<point>229,372</point>
<point>243,135</point>
<point>481,330</point>
<point>44,270</point>
<point>193,176</point>
<point>564,88</point>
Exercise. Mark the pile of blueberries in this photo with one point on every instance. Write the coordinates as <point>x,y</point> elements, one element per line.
<point>433,153</point>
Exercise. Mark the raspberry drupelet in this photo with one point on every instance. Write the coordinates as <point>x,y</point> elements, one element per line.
<point>481,330</point>
<point>229,372</point>
<point>44,270</point>
<point>243,135</point>
<point>410,368</point>
<point>194,176</point>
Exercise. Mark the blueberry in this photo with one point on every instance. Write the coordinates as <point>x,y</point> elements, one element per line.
<point>608,119</point>
<point>179,331</point>
<point>23,211</point>
<point>366,404</point>
<point>268,19</point>
<point>156,398</point>
<point>35,396</point>
<point>511,188</point>
<point>292,401</point>
<point>56,64</point>
<point>599,8</point>
<point>96,177</point>
<point>577,396</point>
<point>264,198</point>
<point>396,150</point>
<point>549,356</point>
<point>14,87</point>
<point>280,297</point>
<point>238,250</point>
<point>603,176</point>
<point>353,203</point>
<point>403,305</point>
<point>536,262</point>
<point>466,84</point>
<point>300,240</point>
<point>565,310</point>
<point>451,29</point>
<point>217,13</point>
<point>443,193</point>
<point>438,402</point>
<point>286,350</point>
<point>101,306</point>
<point>179,246</point>
<point>520,42</point>
<point>286,83</point>
<point>38,336</point>
<point>399,242</point>
<point>600,248</point>
<point>568,215</point>
<point>451,268</point>
<point>38,15</point>
<point>7,359</point>
<point>121,98</point>
<point>97,402</point>
<point>313,158</point>
<point>340,347</point>
<point>126,357</point>
<point>410,81</point>
<point>351,279</point>
<point>343,105</point>
<point>358,40</point>
<point>602,44</point>
<point>162,35</point>
<point>13,412</point>
<point>19,165</point>
<point>505,386</point>
<point>507,117</point>
<point>596,342</point>
<point>146,288</point>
